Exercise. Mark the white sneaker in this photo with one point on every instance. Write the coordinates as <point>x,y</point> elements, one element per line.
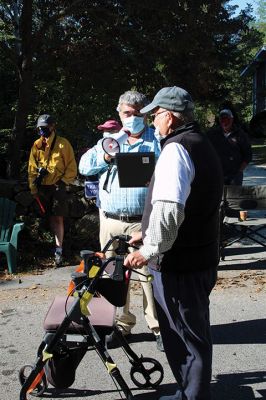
<point>176,396</point>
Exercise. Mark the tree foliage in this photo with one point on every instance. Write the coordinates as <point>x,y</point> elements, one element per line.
<point>260,23</point>
<point>74,59</point>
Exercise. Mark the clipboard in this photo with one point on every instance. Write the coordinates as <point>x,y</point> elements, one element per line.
<point>135,169</point>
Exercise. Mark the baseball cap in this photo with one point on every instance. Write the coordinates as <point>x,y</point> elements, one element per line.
<point>226,111</point>
<point>171,98</point>
<point>110,124</point>
<point>45,120</point>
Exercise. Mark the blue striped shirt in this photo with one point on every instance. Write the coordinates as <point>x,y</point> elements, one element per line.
<point>117,200</point>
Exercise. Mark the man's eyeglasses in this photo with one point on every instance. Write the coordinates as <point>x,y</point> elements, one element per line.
<point>153,116</point>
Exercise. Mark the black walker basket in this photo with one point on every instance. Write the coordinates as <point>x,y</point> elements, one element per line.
<point>75,324</point>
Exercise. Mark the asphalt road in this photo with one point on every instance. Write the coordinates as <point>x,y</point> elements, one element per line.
<point>238,326</point>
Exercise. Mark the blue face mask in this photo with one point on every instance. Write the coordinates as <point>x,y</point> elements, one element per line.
<point>134,124</point>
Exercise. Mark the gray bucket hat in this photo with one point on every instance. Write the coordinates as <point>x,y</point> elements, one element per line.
<point>45,120</point>
<point>171,98</point>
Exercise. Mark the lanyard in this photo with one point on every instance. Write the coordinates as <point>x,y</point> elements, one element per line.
<point>107,176</point>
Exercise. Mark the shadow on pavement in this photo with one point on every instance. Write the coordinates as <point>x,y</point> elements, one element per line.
<point>72,393</point>
<point>249,257</point>
<point>236,386</point>
<point>225,387</point>
<point>233,251</point>
<point>163,390</point>
<point>240,332</point>
<point>69,393</point>
<point>141,337</point>
<point>252,265</point>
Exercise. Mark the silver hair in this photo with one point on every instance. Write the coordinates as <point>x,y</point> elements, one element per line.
<point>132,98</point>
<point>185,116</point>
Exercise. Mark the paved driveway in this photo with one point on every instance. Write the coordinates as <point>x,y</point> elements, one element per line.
<point>238,325</point>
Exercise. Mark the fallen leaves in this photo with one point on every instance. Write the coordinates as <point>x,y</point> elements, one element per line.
<point>251,279</point>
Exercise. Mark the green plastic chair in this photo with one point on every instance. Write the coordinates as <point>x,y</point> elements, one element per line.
<point>9,231</point>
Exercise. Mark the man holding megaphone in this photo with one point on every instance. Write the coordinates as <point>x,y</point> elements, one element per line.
<point>121,208</point>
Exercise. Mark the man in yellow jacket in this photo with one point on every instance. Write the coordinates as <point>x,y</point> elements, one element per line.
<point>52,166</point>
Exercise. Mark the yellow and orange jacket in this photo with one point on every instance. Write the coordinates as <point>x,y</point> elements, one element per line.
<point>61,162</point>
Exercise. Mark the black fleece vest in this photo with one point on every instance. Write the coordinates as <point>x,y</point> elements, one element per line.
<point>197,243</point>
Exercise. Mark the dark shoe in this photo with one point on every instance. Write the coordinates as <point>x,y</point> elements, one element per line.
<point>112,341</point>
<point>159,342</point>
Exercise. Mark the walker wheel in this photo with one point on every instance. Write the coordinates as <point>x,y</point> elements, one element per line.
<point>41,386</point>
<point>146,373</point>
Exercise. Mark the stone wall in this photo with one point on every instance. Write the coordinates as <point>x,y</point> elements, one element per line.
<point>81,225</point>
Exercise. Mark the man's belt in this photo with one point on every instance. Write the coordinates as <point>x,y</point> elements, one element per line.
<point>123,217</point>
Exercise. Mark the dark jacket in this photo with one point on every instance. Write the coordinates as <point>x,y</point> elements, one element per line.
<point>232,150</point>
<point>197,243</point>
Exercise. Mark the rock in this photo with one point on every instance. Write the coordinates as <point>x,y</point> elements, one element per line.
<point>24,198</point>
<point>87,230</point>
<point>7,188</point>
<point>77,207</point>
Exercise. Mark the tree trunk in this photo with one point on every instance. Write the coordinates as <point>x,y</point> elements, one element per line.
<point>24,66</point>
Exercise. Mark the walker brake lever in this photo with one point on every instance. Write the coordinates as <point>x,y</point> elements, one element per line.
<point>149,277</point>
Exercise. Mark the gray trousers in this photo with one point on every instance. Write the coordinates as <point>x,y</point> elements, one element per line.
<point>182,303</point>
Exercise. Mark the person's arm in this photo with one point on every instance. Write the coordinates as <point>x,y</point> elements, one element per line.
<point>93,161</point>
<point>246,150</point>
<point>71,170</point>
<point>32,170</point>
<point>169,198</point>
<point>165,220</point>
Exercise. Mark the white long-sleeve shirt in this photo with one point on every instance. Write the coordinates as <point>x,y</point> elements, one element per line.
<point>174,173</point>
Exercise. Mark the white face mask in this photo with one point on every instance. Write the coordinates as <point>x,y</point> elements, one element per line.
<point>134,124</point>
<point>158,135</point>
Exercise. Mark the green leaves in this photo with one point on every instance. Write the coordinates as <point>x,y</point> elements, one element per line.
<point>79,56</point>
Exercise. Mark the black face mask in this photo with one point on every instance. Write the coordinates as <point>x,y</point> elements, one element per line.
<point>44,131</point>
